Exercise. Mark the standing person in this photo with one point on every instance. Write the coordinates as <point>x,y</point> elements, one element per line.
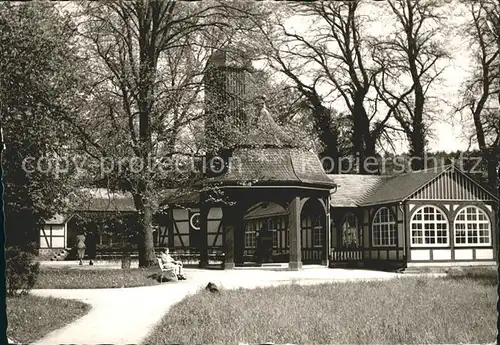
<point>80,246</point>
<point>169,262</point>
<point>91,245</point>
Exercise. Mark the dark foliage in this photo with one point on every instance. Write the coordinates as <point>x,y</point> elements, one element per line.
<point>22,272</point>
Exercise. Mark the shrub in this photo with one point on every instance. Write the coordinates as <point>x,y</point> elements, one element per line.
<point>22,272</point>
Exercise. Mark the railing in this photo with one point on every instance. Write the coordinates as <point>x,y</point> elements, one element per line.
<point>312,254</point>
<point>187,256</point>
<point>346,255</point>
<point>190,256</point>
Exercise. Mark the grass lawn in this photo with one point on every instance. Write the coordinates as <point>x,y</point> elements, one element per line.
<point>414,310</point>
<point>32,317</point>
<point>96,278</point>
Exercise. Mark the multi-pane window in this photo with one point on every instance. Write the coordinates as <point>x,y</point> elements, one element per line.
<point>250,235</point>
<point>318,232</point>
<point>429,227</point>
<point>384,228</point>
<point>274,225</point>
<point>350,231</point>
<point>472,227</point>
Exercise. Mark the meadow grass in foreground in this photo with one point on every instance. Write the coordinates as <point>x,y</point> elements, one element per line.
<point>96,278</point>
<point>30,317</point>
<point>408,310</point>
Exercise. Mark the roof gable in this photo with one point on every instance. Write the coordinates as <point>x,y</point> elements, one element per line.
<point>452,184</point>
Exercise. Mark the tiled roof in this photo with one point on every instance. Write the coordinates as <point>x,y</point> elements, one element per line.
<point>351,188</point>
<point>274,165</point>
<point>181,198</point>
<point>362,190</point>
<point>398,187</point>
<point>278,165</point>
<point>101,199</point>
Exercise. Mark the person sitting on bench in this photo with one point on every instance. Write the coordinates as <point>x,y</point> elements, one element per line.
<point>168,262</point>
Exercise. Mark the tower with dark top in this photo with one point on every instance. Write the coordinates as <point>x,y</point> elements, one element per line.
<point>262,170</point>
<point>225,92</point>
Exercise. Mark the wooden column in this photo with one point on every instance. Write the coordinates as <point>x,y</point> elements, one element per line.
<point>239,235</point>
<point>204,235</point>
<point>295,261</point>
<point>327,245</point>
<point>228,221</point>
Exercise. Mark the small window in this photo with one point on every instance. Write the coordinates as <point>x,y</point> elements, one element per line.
<point>250,235</point>
<point>318,232</point>
<point>275,238</point>
<point>350,231</point>
<point>472,227</point>
<point>106,239</point>
<point>276,227</point>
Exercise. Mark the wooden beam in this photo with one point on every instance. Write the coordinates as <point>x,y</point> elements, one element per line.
<point>228,220</point>
<point>239,234</point>
<point>327,244</point>
<point>204,209</point>
<point>295,261</point>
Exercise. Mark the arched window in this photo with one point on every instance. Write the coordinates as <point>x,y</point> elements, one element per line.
<point>472,227</point>
<point>429,227</point>
<point>350,230</point>
<point>384,228</point>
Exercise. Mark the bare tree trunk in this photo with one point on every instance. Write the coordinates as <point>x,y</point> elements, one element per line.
<point>145,243</point>
<point>417,147</point>
<point>492,162</point>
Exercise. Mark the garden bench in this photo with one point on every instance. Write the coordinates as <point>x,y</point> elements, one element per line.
<point>170,271</point>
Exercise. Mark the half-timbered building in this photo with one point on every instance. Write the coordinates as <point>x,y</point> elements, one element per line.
<point>435,217</point>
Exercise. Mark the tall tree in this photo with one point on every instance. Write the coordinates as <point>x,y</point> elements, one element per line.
<point>479,105</point>
<point>147,59</point>
<point>410,63</point>
<point>39,72</point>
<point>333,55</point>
